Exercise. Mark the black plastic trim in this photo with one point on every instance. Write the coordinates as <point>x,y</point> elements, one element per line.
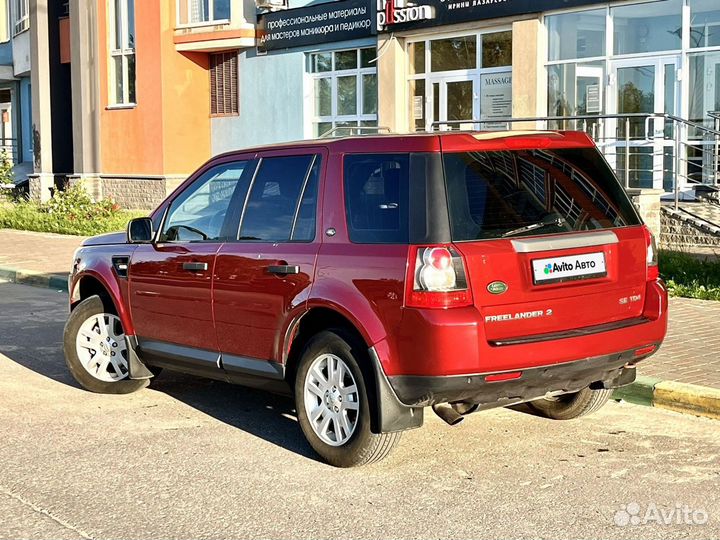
<point>391,415</point>
<point>575,332</point>
<point>608,371</point>
<point>252,366</point>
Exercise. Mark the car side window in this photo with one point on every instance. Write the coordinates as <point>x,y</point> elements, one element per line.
<point>377,198</point>
<point>199,214</point>
<point>282,202</point>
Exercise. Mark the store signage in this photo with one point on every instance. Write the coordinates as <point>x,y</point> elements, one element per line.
<point>321,23</point>
<point>495,99</point>
<point>441,12</point>
<point>392,12</point>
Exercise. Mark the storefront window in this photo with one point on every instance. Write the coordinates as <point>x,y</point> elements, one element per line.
<point>453,54</point>
<point>497,49</point>
<point>344,89</point>
<point>704,23</point>
<point>469,83</point>
<point>575,89</point>
<point>647,27</point>
<point>704,84</point>
<point>577,35</point>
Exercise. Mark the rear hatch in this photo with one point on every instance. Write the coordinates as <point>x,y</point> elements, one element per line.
<point>551,241</point>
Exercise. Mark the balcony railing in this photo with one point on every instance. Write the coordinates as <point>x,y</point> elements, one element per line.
<point>202,12</point>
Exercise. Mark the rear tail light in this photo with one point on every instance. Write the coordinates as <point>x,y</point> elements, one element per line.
<point>437,278</point>
<point>651,259</point>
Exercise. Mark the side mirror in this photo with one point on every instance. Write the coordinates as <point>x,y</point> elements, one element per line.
<point>140,231</point>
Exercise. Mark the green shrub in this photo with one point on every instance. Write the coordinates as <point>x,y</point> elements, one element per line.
<point>71,211</point>
<point>689,276</point>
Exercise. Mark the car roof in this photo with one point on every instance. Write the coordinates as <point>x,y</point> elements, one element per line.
<point>453,141</point>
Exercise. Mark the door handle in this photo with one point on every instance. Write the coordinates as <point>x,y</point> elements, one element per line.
<point>195,266</point>
<point>283,269</point>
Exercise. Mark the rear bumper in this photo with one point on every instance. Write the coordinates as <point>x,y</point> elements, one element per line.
<point>606,371</point>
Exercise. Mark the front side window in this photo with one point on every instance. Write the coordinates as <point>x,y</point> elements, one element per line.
<point>21,16</point>
<point>531,192</point>
<point>377,198</point>
<point>202,212</point>
<point>282,201</point>
<point>344,87</point>
<point>122,52</point>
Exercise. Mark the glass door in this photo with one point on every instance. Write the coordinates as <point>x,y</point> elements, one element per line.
<point>452,100</point>
<point>643,147</point>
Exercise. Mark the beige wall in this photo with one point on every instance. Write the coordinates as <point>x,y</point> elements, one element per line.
<point>528,69</point>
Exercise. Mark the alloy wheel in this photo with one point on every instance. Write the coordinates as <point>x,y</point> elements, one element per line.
<point>100,345</point>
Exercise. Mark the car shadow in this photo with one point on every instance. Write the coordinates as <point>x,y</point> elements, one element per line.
<point>31,335</point>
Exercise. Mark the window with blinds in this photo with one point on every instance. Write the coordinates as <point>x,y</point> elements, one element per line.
<point>223,84</point>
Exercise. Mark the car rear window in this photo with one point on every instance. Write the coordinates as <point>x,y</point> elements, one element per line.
<point>532,192</point>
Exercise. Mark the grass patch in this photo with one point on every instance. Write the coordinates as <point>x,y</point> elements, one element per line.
<point>69,212</point>
<point>689,276</point>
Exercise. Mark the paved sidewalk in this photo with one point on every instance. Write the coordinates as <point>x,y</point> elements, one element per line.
<point>37,252</point>
<point>690,354</point>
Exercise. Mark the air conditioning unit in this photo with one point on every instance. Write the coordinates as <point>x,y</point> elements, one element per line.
<point>271,5</point>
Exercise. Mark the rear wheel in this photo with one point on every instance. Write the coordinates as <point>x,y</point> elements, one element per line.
<point>95,349</point>
<point>569,406</point>
<point>332,403</point>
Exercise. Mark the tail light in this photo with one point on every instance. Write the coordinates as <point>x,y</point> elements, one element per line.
<point>437,278</point>
<point>651,259</point>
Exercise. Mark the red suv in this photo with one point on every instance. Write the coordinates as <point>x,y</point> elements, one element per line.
<point>375,276</point>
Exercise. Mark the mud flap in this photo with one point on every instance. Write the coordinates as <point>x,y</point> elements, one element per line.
<point>136,368</point>
<point>390,414</point>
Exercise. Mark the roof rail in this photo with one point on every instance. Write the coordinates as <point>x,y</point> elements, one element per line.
<point>346,131</point>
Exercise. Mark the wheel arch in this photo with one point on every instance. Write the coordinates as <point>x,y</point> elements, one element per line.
<point>89,284</point>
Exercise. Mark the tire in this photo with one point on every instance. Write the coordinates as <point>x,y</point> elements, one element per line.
<point>569,406</point>
<point>321,406</point>
<point>103,368</point>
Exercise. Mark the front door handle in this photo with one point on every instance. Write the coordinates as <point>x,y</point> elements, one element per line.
<point>284,269</point>
<point>195,266</point>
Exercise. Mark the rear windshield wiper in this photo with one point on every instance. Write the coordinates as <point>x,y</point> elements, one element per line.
<point>539,225</point>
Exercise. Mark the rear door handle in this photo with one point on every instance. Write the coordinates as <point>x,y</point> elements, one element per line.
<point>284,269</point>
<point>195,266</point>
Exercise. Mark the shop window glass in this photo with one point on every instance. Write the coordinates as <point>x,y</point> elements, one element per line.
<point>497,49</point>
<point>704,86</point>
<point>576,35</point>
<point>323,97</point>
<point>346,60</point>
<point>704,23</point>
<point>417,92</point>
<point>368,58</point>
<point>320,62</point>
<point>643,28</point>
<point>347,96</point>
<point>453,53</point>
<point>416,52</point>
<point>370,92</point>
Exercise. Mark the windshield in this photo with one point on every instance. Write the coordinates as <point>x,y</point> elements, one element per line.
<point>533,192</point>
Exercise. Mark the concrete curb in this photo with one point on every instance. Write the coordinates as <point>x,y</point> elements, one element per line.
<point>36,279</point>
<point>672,395</point>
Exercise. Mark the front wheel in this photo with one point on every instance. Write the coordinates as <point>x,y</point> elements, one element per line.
<point>332,403</point>
<point>574,405</point>
<point>95,349</point>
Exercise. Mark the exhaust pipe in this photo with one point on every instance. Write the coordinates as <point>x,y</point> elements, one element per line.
<point>447,413</point>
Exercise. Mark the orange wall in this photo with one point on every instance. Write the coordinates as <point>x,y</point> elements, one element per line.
<point>168,132</point>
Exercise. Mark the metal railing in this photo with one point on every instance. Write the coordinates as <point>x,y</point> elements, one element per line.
<point>644,149</point>
<point>349,131</point>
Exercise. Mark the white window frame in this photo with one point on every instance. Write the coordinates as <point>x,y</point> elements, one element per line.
<point>474,74</point>
<point>334,118</point>
<point>209,21</point>
<point>21,16</point>
<point>124,53</point>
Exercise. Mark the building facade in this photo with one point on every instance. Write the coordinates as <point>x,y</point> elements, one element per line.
<point>15,88</point>
<point>158,87</point>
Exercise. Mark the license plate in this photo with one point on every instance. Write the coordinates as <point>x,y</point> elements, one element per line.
<point>568,268</point>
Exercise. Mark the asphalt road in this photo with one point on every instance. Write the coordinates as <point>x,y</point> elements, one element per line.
<point>200,459</point>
